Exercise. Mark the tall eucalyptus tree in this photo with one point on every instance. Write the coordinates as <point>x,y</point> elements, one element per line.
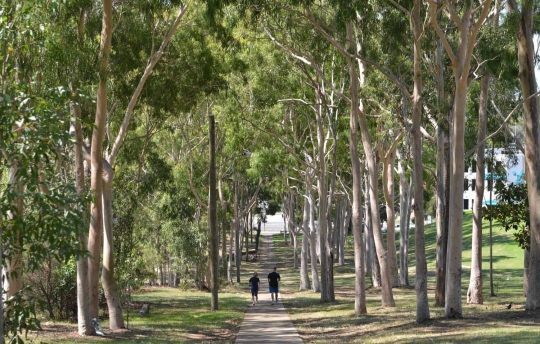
<point>468,26</point>
<point>527,78</point>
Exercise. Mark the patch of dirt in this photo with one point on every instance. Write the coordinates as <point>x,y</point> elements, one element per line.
<point>53,332</point>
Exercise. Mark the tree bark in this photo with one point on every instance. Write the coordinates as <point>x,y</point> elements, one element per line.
<point>230,258</point>
<point>373,266</point>
<point>12,277</point>
<point>387,295</point>
<point>526,265</point>
<point>304,272</point>
<point>223,227</point>
<point>312,235</point>
<point>237,244</point>
<point>212,218</point>
<point>257,237</point>
<point>357,216</point>
<point>443,215</point>
<point>110,287</point>
<point>388,191</point>
<point>327,293</point>
<point>96,182</point>
<point>246,235</point>
<point>345,219</point>
<point>404,203</point>
<point>331,199</point>
<point>526,55</point>
<point>443,184</point>
<point>84,319</point>
<point>422,306</point>
<point>474,293</point>
<point>295,248</point>
<point>460,64</point>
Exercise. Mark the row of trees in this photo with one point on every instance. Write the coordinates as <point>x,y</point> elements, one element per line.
<point>336,101</point>
<point>411,91</point>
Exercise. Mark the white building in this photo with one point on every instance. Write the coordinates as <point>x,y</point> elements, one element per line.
<point>514,163</point>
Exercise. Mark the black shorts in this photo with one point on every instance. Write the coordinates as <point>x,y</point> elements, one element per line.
<point>254,291</point>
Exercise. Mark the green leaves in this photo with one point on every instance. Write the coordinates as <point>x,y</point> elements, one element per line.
<point>21,316</point>
<point>512,211</point>
<point>34,132</point>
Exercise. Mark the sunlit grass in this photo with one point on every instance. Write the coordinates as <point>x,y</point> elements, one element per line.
<point>175,316</point>
<point>491,322</point>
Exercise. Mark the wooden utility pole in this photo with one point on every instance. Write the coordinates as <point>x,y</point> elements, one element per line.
<point>212,217</point>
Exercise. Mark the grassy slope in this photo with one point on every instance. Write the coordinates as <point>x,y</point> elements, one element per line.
<point>491,322</point>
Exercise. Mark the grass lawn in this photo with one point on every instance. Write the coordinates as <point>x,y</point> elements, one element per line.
<point>175,316</point>
<point>491,322</point>
<point>178,316</point>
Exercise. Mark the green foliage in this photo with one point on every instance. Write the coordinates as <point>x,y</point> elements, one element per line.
<point>35,139</point>
<point>35,147</point>
<point>56,285</point>
<point>512,212</point>
<point>20,316</point>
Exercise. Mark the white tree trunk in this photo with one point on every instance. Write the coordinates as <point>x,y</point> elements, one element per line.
<point>422,306</point>
<point>443,184</point>
<point>460,64</point>
<point>229,260</point>
<point>357,216</point>
<point>345,219</point>
<point>474,293</point>
<point>96,185</point>
<point>304,272</point>
<point>110,287</point>
<point>373,266</point>
<point>404,203</point>
<point>12,273</point>
<point>387,295</point>
<point>327,293</point>
<point>388,188</point>
<point>84,319</point>
<point>526,55</point>
<point>313,244</point>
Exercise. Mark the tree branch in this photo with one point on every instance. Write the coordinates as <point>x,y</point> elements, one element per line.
<point>519,145</point>
<point>505,120</point>
<point>346,54</point>
<point>440,33</point>
<point>401,8</point>
<point>135,97</point>
<point>251,201</point>
<point>455,18</point>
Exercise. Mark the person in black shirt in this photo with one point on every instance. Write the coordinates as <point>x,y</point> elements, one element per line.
<point>273,279</point>
<point>254,283</point>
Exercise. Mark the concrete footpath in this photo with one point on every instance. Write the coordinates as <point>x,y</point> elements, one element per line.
<point>264,322</point>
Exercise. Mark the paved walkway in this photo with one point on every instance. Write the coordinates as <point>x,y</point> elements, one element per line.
<point>266,323</point>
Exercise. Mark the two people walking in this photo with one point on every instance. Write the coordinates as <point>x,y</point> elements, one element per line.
<point>273,282</point>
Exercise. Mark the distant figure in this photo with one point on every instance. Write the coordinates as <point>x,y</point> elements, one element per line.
<point>254,284</point>
<point>273,279</point>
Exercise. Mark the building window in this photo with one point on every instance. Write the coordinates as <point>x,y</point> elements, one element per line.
<point>473,184</point>
<point>465,204</point>
<point>465,184</point>
<point>474,165</point>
